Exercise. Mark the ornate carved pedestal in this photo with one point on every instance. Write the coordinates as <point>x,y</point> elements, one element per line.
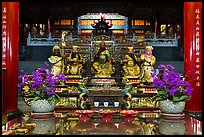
<point>106,99</point>
<point>102,95</point>
<point>69,94</point>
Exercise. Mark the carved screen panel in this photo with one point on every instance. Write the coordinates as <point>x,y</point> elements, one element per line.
<point>68,102</point>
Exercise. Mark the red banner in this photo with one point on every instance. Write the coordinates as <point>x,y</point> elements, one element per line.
<point>193,53</point>
<point>4,58</point>
<point>4,34</point>
<point>10,44</point>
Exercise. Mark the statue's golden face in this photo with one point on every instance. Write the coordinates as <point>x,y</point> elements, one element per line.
<point>130,63</point>
<point>102,56</point>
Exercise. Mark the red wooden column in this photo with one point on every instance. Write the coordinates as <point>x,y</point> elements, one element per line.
<point>4,62</point>
<point>10,44</point>
<point>193,52</point>
<point>193,126</point>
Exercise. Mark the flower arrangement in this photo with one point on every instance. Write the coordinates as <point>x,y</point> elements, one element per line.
<point>171,85</point>
<point>40,85</point>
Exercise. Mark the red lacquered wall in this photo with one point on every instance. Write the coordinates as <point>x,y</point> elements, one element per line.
<point>193,52</point>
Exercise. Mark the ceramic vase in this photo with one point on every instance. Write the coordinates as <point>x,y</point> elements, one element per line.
<point>44,126</point>
<point>172,127</point>
<point>170,107</point>
<point>42,106</point>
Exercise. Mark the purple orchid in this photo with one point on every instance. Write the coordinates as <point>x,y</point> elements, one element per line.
<point>42,81</point>
<point>172,83</point>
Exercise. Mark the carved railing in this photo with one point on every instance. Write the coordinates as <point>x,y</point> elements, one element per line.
<point>155,42</point>
<point>47,41</point>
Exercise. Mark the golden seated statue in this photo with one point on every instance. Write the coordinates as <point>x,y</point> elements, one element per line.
<point>74,67</point>
<point>131,70</point>
<point>74,70</point>
<point>102,66</point>
<point>130,67</point>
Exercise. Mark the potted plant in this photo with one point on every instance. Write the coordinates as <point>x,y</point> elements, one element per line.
<point>38,89</point>
<point>172,90</point>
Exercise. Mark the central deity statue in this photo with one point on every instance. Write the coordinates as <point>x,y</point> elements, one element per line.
<point>102,62</point>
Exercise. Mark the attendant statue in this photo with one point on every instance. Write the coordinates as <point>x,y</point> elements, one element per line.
<point>74,61</point>
<point>56,59</point>
<point>102,62</point>
<point>130,55</point>
<point>130,68</point>
<point>147,62</point>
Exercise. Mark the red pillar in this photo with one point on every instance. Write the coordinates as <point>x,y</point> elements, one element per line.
<point>10,42</point>
<point>193,126</point>
<point>193,52</point>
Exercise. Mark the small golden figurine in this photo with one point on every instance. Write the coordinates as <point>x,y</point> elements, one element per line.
<point>131,69</point>
<point>74,60</point>
<point>103,65</point>
<point>148,60</point>
<point>56,60</point>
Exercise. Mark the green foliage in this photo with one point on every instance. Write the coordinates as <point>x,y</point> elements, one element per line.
<point>163,95</point>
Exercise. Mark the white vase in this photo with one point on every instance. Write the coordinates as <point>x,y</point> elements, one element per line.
<point>42,106</point>
<point>105,104</point>
<point>171,107</point>
<point>116,104</point>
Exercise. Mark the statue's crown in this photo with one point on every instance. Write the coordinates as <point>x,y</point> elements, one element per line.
<point>130,48</point>
<point>55,47</point>
<point>149,48</point>
<point>74,47</point>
